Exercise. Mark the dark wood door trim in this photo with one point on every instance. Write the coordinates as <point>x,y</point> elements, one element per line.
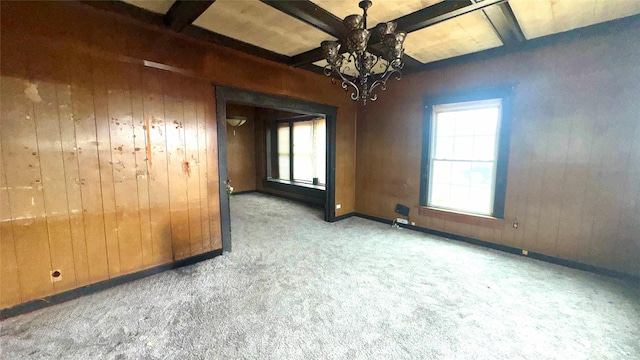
<point>224,95</point>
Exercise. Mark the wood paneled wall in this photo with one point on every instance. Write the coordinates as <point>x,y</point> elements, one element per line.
<point>108,143</point>
<point>574,167</point>
<point>241,149</point>
<point>105,171</point>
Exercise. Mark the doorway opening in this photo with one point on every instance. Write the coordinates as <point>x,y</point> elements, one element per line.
<point>275,145</point>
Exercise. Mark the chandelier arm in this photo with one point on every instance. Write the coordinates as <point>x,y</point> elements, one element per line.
<point>376,61</point>
<point>328,70</point>
<point>382,82</point>
<point>345,85</point>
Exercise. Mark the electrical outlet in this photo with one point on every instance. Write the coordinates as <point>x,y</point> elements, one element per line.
<point>402,221</point>
<point>525,252</point>
<point>413,224</point>
<point>338,206</point>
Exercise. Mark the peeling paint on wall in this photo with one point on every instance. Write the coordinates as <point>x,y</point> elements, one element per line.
<point>186,168</point>
<point>31,90</point>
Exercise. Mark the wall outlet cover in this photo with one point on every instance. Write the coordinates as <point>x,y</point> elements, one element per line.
<point>402,221</point>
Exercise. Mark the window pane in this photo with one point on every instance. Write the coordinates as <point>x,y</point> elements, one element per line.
<point>463,160</point>
<point>463,148</point>
<point>461,173</point>
<point>441,172</point>
<point>320,143</point>
<point>446,125</point>
<point>444,147</point>
<point>283,151</point>
<point>486,121</point>
<point>465,122</point>
<point>481,173</point>
<point>302,151</point>
<point>459,197</point>
<point>480,200</point>
<point>484,148</point>
<point>440,194</point>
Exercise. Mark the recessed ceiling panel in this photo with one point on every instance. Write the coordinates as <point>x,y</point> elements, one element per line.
<point>380,11</point>
<point>256,23</point>
<point>544,17</point>
<point>462,35</point>
<point>157,6</point>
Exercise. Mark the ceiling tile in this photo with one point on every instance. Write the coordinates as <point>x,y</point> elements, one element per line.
<point>545,17</point>
<point>157,6</point>
<point>380,11</point>
<point>462,35</point>
<point>256,23</point>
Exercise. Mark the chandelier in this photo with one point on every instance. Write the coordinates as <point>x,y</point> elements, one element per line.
<point>372,67</point>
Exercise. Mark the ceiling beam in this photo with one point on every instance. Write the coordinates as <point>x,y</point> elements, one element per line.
<point>156,21</point>
<point>183,13</point>
<point>429,16</point>
<point>321,19</point>
<point>504,23</point>
<point>310,13</point>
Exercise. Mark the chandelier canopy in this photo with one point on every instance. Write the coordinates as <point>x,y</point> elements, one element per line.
<point>362,68</point>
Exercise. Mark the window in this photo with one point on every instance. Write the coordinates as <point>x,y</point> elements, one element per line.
<point>465,153</point>
<point>301,150</point>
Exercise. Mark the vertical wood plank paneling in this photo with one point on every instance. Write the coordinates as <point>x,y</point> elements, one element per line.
<point>575,187</point>
<point>156,155</point>
<point>47,128</point>
<point>521,208</point>
<point>557,134</point>
<point>10,293</point>
<point>192,163</point>
<point>139,134</point>
<point>88,163</point>
<point>72,177</point>
<point>614,168</point>
<point>177,166</point>
<point>104,145</point>
<point>538,150</point>
<point>24,185</point>
<point>123,165</point>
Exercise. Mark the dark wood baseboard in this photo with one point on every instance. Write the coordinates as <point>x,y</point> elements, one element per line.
<point>512,250</point>
<point>292,198</point>
<point>345,216</point>
<point>102,285</point>
<point>243,192</point>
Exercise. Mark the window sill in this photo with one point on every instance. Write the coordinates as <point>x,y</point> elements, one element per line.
<point>295,183</point>
<point>461,217</point>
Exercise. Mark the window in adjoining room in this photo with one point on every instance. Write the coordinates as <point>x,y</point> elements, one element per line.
<point>306,140</point>
<point>465,153</point>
